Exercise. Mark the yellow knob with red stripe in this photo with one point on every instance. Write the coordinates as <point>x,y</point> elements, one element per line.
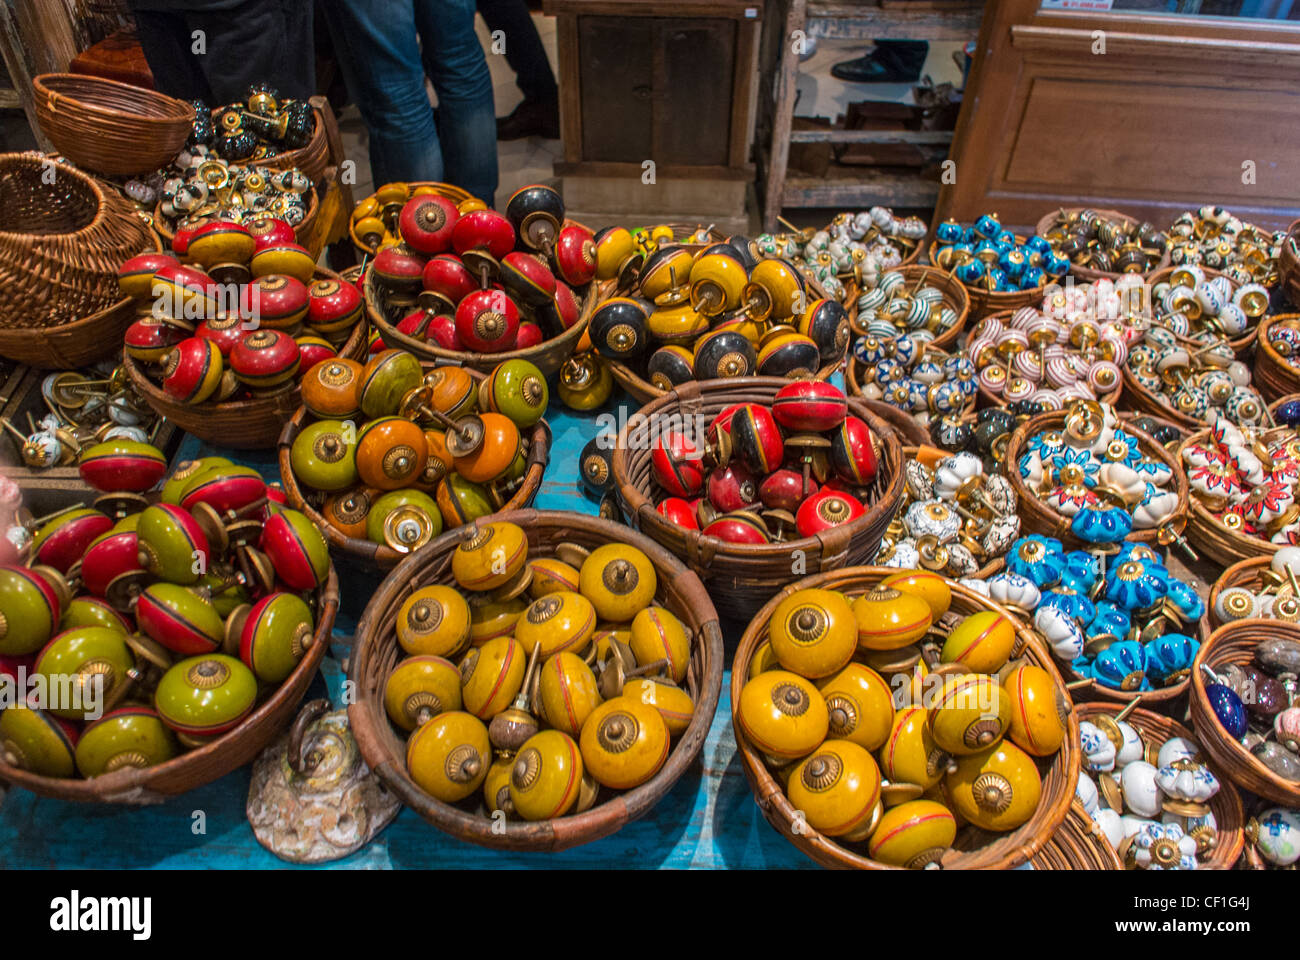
<point>813,632</point>
<point>491,676</point>
<point>913,834</point>
<point>568,692</point>
<point>838,790</point>
<point>909,754</point>
<point>546,777</point>
<point>551,576</point>
<point>1038,710</point>
<point>782,714</point>
<point>971,713</point>
<point>888,618</point>
<point>490,558</point>
<point>996,789</point>
<point>658,635</point>
<point>624,743</point>
<point>448,757</point>
<point>434,620</point>
<point>860,706</point>
<point>982,642</point>
<point>929,586</point>
<point>673,703</point>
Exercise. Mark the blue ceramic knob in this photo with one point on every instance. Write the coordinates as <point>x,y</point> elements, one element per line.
<point>904,350</point>
<point>1288,413</point>
<point>988,226</point>
<point>970,273</point>
<point>997,278</point>
<point>889,370</point>
<point>1084,568</point>
<point>1137,584</point>
<point>1006,238</point>
<point>1190,606</point>
<point>948,397</point>
<point>1107,627</point>
<point>1038,558</point>
<point>870,350</point>
<point>987,251</point>
<point>1032,276</point>
<point>950,231</point>
<point>1038,244</point>
<point>967,244</point>
<point>1013,263</point>
<point>1068,601</point>
<point>1115,617</point>
<point>1055,265</point>
<point>1169,658</point>
<point>1101,524</point>
<point>1227,706</point>
<point>1122,666</point>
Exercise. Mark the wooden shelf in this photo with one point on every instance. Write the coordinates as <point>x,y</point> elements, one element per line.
<point>860,187</point>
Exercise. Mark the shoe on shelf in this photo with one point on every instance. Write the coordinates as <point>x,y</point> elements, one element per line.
<point>532,118</point>
<point>891,61</point>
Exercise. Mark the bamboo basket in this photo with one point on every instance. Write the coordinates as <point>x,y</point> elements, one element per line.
<point>1210,536</point>
<point>1089,274</point>
<point>1242,344</point>
<point>1226,804</point>
<point>1077,844</point>
<point>1288,264</point>
<point>742,577</point>
<point>197,767</point>
<point>109,127</point>
<point>1273,376</point>
<point>379,554</point>
<point>240,424</point>
<point>548,356</point>
<point>1235,643</point>
<point>377,653</point>
<point>1060,774</point>
<point>984,302</point>
<point>62,239</point>
<point>455,194</point>
<point>1037,517</point>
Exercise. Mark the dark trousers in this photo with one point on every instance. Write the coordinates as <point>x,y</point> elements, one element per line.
<point>524,51</point>
<point>254,41</point>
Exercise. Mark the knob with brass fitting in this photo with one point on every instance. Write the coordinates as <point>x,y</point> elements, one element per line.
<point>448,757</point>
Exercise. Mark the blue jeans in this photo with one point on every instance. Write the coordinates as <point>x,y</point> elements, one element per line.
<point>385,68</point>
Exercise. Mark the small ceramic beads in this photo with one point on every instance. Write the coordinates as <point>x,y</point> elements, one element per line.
<point>987,257</point>
<point>956,518</point>
<point>1248,480</point>
<point>1112,245</point>
<point>1149,800</point>
<point>1213,237</point>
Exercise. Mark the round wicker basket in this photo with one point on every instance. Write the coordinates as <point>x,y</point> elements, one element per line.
<point>377,653</point>
<point>1077,844</point>
<point>1288,264</point>
<point>197,767</point>
<point>1274,377</point>
<point>742,577</point>
<point>1235,643</point>
<point>973,850</point>
<point>984,302</point>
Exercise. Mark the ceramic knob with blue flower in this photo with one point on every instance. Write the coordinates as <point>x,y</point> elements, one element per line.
<point>1082,571</point>
<point>1275,834</point>
<point>1160,846</point>
<point>1169,658</point>
<point>1137,584</point>
<point>1098,749</point>
<point>1122,666</point>
<point>1070,602</point>
<point>1186,601</point>
<point>1014,590</point>
<point>1101,524</point>
<point>1039,558</point>
<point>1109,626</point>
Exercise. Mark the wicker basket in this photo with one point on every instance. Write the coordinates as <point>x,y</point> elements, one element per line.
<point>1037,517</point>
<point>61,244</point>
<point>1210,536</point>
<point>1243,573</point>
<point>240,424</point>
<point>1088,274</point>
<point>1060,774</point>
<point>455,194</point>
<point>984,302</point>
<point>1288,264</point>
<point>1155,729</point>
<point>742,577</point>
<point>1139,399</point>
<point>378,554</point>
<point>197,767</point>
<point>548,356</point>
<point>377,653</point>
<point>1078,844</point>
<point>109,127</point>
<point>1241,345</point>
<point>1274,377</point>
<point>1235,643</point>
<point>911,433</point>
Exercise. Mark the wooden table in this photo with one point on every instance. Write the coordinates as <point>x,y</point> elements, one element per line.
<point>708,821</point>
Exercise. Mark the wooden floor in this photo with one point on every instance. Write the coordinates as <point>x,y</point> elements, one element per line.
<point>708,821</point>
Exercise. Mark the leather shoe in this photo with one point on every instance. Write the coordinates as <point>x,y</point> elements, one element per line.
<point>532,118</point>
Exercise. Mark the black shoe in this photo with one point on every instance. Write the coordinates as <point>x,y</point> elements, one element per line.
<point>892,61</point>
<point>532,118</point>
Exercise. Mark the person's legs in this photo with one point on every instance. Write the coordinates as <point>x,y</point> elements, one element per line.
<point>167,44</point>
<point>524,50</point>
<point>260,41</point>
<point>380,58</point>
<point>454,60</point>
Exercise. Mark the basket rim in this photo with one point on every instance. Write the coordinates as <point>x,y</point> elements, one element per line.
<point>42,86</point>
<point>641,507</point>
<point>64,169</point>
<point>129,785</point>
<point>1029,837</point>
<point>614,812</point>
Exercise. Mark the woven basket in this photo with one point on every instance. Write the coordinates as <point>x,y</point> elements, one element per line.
<point>1210,536</point>
<point>1078,844</point>
<point>377,653</point>
<point>241,424</point>
<point>1139,399</point>
<point>378,554</point>
<point>984,302</point>
<point>1060,774</point>
<point>548,356</point>
<point>742,577</point>
<point>109,127</point>
<point>1155,729</point>
<point>455,194</point>
<point>1235,643</point>
<point>1274,377</point>
<point>1241,345</point>
<point>1088,274</point>
<point>61,243</point>
<point>1243,573</point>
<point>195,768</point>
<point>911,433</point>
<point>1288,265</point>
<point>1037,517</point>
